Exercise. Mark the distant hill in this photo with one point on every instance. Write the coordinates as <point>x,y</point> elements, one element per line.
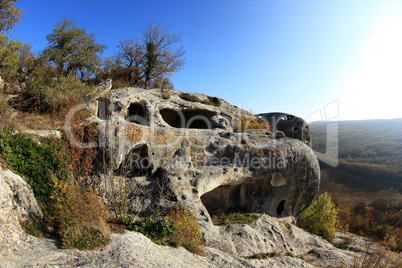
<point>371,148</point>
<point>370,160</point>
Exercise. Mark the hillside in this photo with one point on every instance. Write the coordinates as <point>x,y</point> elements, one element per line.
<point>370,153</point>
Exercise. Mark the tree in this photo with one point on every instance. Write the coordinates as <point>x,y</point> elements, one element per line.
<point>9,50</point>
<point>26,56</point>
<point>72,50</point>
<point>131,55</point>
<point>162,59</point>
<point>9,15</point>
<point>320,217</point>
<point>9,57</point>
<point>151,61</point>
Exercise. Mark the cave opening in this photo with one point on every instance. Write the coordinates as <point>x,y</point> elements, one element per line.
<point>136,114</point>
<point>281,208</point>
<point>249,196</point>
<point>196,119</point>
<point>136,163</point>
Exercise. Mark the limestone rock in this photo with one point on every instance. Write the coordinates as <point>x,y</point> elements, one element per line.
<point>227,246</point>
<point>186,145</point>
<point>17,203</point>
<point>105,85</point>
<point>292,126</point>
<point>1,83</point>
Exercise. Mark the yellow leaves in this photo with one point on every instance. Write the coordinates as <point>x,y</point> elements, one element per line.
<point>9,15</point>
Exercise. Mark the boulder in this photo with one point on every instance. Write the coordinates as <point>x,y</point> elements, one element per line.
<point>292,126</point>
<point>17,204</point>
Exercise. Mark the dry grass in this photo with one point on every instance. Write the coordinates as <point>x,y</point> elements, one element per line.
<point>221,217</point>
<point>187,234</point>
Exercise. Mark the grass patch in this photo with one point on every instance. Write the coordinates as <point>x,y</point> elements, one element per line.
<point>34,227</point>
<point>233,216</point>
<point>261,256</point>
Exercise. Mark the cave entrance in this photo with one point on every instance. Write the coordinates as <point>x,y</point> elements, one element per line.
<point>250,196</point>
<point>197,119</point>
<point>136,114</point>
<point>281,208</point>
<point>136,163</point>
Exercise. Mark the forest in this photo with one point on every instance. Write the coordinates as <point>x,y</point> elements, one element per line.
<point>371,148</point>
<point>366,186</point>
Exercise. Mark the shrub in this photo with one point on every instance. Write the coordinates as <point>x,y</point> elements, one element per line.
<point>80,216</point>
<point>178,228</point>
<point>187,234</point>
<point>35,162</point>
<point>154,227</point>
<point>261,256</point>
<point>166,93</point>
<point>73,208</point>
<point>320,217</point>
<point>52,90</point>
<point>249,123</point>
<point>35,227</point>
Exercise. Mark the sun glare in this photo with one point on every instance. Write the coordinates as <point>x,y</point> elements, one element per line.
<point>376,90</point>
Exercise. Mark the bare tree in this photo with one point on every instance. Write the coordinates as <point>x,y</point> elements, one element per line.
<point>149,61</point>
<point>131,55</point>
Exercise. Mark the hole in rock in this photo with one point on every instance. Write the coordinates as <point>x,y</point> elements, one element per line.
<point>136,163</point>
<point>280,208</point>
<point>250,196</point>
<point>199,119</point>
<point>223,197</point>
<point>136,114</point>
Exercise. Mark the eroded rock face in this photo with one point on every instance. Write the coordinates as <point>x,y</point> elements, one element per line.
<point>228,246</point>
<point>17,204</point>
<point>292,126</point>
<point>184,148</point>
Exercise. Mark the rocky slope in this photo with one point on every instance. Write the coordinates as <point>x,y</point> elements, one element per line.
<point>131,249</point>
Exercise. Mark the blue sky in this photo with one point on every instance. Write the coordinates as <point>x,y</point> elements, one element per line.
<point>315,59</point>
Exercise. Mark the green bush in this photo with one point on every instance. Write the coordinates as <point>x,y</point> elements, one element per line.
<point>178,228</point>
<point>35,162</point>
<point>52,90</point>
<point>156,228</point>
<point>320,217</point>
<point>73,209</point>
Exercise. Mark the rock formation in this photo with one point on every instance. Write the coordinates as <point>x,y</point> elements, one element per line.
<point>292,126</point>
<point>188,145</point>
<point>185,150</point>
<point>295,247</point>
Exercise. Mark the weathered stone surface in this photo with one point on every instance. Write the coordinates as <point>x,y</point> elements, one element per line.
<point>227,246</point>
<point>17,203</point>
<point>292,126</point>
<point>187,145</point>
<point>105,85</point>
